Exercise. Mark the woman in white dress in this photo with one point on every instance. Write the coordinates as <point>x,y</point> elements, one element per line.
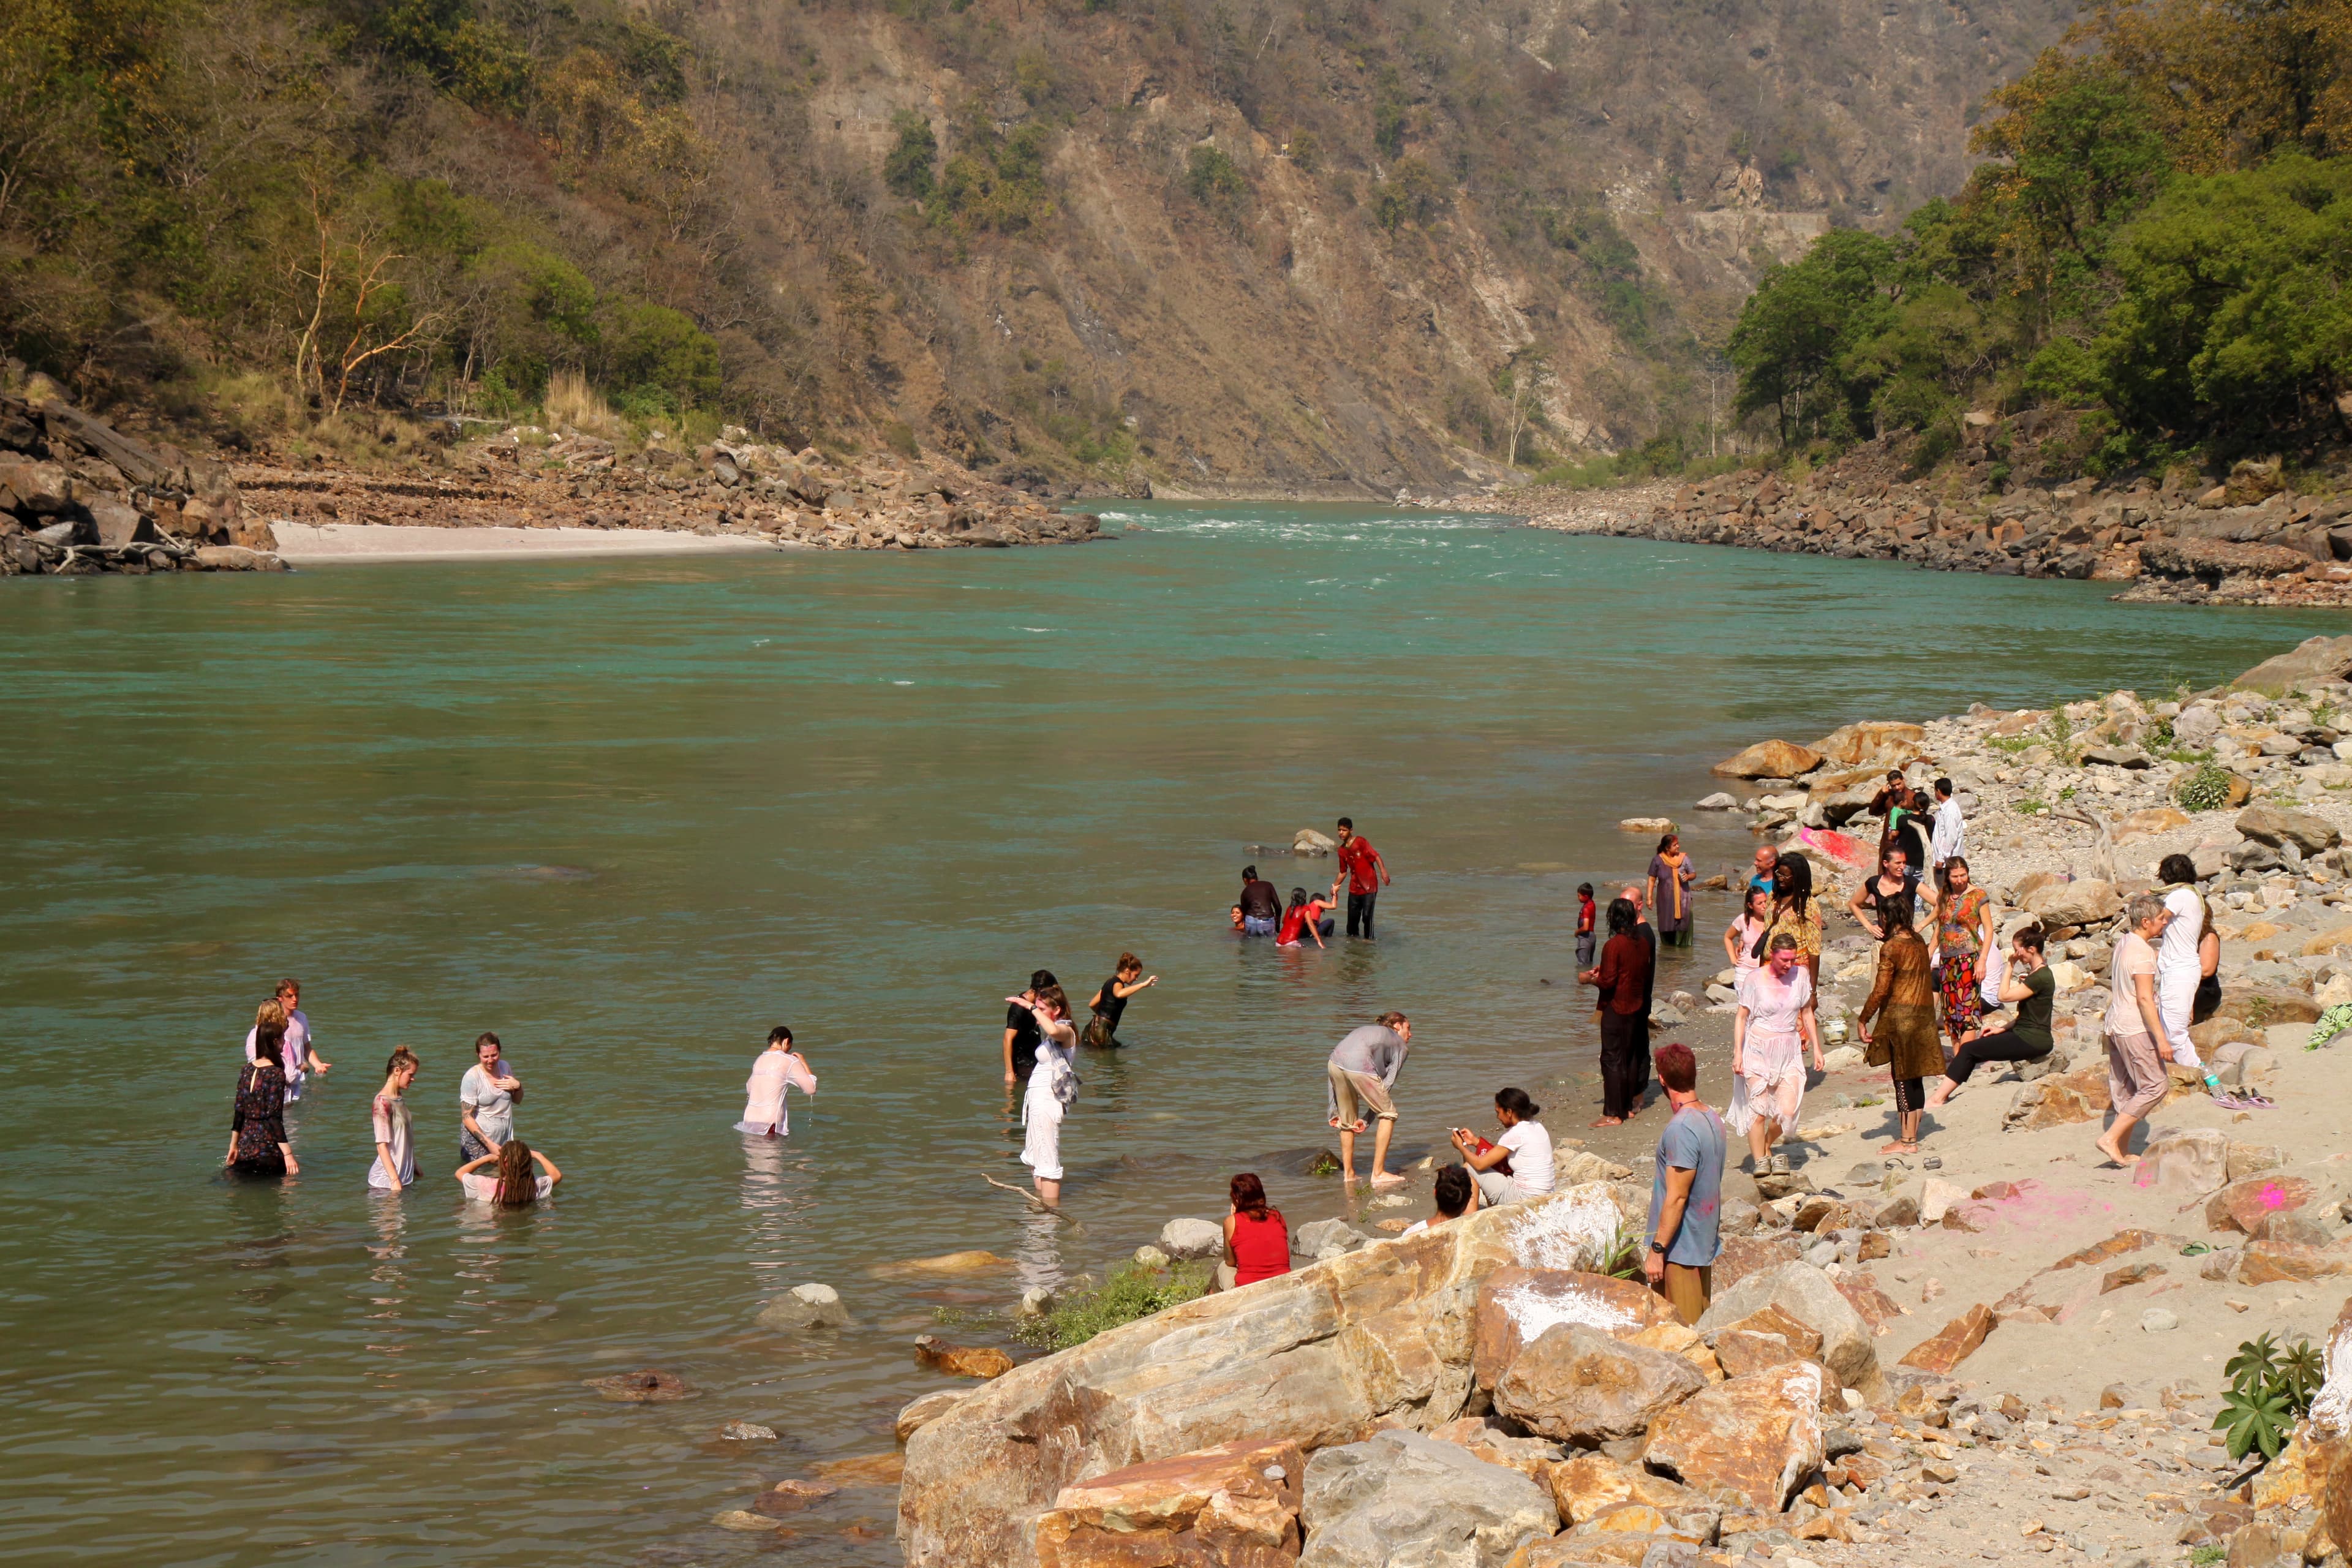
<point>1051,1088</point>
<point>1770,1035</point>
<point>779,1068</point>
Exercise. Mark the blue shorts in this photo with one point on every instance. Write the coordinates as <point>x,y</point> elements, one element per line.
<point>1254,926</point>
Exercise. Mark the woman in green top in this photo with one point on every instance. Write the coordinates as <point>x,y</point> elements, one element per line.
<point>2031,988</point>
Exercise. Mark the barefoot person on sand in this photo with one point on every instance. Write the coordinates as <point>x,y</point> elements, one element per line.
<point>1623,977</point>
<point>780,1067</point>
<point>2135,1024</point>
<point>1052,1086</point>
<point>1362,1071</point>
<point>1902,1004</point>
<point>2026,984</point>
<point>1770,1035</point>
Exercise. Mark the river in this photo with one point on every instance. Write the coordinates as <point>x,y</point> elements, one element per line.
<point>629,814</point>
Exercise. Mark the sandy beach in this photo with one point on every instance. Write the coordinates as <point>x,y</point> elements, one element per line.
<point>309,544</point>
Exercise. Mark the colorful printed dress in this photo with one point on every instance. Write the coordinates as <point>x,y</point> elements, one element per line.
<point>1959,926</point>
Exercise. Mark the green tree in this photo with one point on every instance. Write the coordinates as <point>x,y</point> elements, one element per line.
<point>1213,179</point>
<point>659,357</point>
<point>907,167</point>
<point>1520,382</point>
<point>1796,328</point>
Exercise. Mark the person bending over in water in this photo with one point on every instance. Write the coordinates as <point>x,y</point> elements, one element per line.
<point>514,1184</point>
<point>1307,916</point>
<point>1362,1070</point>
<point>779,1068</point>
<point>1109,1003</point>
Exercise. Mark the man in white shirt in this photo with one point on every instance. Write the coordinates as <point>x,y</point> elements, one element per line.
<point>1951,835</point>
<point>1525,1145</point>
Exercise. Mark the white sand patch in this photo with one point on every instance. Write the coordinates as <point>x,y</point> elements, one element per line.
<point>1533,1309</point>
<point>306,544</point>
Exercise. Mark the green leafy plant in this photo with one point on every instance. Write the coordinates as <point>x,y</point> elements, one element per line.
<point>2033,805</point>
<point>2205,788</point>
<point>2067,794</point>
<point>1134,1292</point>
<point>2061,737</point>
<point>2270,1391</point>
<point>2206,1556</point>
<point>1622,1261</point>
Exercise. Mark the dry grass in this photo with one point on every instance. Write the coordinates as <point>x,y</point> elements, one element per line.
<point>571,402</point>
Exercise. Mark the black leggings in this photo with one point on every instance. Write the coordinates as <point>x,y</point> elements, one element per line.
<point>1359,912</point>
<point>1909,1096</point>
<point>2005,1047</point>
<point>1624,1050</point>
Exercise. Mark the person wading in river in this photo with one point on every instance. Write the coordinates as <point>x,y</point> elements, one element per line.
<point>1365,873</point>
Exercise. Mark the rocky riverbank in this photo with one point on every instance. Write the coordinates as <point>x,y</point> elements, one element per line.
<point>1995,1350</point>
<point>734,487</point>
<point>78,496</point>
<point>2245,541</point>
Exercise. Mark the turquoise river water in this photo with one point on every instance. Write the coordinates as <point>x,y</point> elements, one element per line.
<point>629,814</point>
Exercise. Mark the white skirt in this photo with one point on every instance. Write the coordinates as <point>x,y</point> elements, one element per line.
<point>1041,1150</point>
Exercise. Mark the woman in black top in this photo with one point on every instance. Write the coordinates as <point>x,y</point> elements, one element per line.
<point>1109,1003</point>
<point>257,1138</point>
<point>2031,989</point>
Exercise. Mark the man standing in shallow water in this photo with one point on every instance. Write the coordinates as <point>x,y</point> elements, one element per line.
<point>1364,871</point>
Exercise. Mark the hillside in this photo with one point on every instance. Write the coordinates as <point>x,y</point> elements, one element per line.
<point>1269,244</point>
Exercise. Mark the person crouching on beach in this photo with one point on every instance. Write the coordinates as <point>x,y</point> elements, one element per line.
<point>781,1067</point>
<point>514,1184</point>
<point>1362,1071</point>
<point>1052,1087</point>
<point>1257,1238</point>
<point>1769,1035</point>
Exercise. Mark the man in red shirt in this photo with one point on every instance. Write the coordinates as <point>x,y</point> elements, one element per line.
<point>1361,868</point>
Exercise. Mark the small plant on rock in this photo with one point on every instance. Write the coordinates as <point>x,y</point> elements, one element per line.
<point>2205,788</point>
<point>2270,1391</point>
<point>1134,1292</point>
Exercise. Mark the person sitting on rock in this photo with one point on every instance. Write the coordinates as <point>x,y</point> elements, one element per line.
<point>1257,1238</point>
<point>1520,1166</point>
<point>1454,1195</point>
<point>2027,984</point>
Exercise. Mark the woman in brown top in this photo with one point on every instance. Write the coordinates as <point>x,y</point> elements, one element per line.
<point>1623,977</point>
<point>1903,1004</point>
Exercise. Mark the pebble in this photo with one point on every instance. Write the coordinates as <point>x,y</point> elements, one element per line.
<point>2158,1320</point>
<point>743,1519</point>
<point>747,1432</point>
<point>1150,1257</point>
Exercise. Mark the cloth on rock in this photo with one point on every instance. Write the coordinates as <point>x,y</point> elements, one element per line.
<point>774,1073</point>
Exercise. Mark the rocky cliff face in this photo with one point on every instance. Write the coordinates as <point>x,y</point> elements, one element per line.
<point>1289,246</point>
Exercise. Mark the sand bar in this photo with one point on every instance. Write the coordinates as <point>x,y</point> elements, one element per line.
<point>308,544</point>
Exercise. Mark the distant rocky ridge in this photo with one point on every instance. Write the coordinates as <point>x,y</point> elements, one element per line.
<point>78,496</point>
<point>2246,541</point>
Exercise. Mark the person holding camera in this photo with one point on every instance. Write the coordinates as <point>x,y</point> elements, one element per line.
<point>1518,1166</point>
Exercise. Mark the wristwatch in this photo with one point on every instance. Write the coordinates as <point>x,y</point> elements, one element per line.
<point>1658,1246</point>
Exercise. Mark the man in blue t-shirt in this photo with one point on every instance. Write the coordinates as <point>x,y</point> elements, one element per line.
<point>1687,1193</point>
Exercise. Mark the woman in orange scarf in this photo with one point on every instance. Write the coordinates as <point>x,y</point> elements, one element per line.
<point>1671,879</point>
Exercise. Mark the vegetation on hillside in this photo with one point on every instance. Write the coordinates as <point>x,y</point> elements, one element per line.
<point>2161,246</point>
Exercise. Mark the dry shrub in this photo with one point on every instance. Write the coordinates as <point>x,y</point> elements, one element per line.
<point>571,401</point>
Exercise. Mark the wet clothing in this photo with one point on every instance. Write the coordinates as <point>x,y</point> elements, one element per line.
<point>1359,912</point>
<point>1903,1004</point>
<point>1260,900</point>
<point>1374,1052</point>
<point>1261,1246</point>
<point>1672,880</point>
<point>1624,978</point>
<point>1293,922</point>
<point>259,1119</point>
<point>1023,1024</point>
<point>765,1092</point>
<point>389,1115</point>
<point>1361,861</point>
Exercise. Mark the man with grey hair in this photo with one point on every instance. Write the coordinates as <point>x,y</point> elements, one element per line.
<point>2135,1025</point>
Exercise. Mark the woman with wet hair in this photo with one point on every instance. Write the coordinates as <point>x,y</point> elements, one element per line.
<point>522,1176</point>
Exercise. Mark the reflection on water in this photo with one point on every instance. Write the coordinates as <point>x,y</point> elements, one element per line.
<point>630,815</point>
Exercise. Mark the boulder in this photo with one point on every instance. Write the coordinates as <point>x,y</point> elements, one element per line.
<point>1953,1343</point>
<point>920,1413</point>
<point>2313,660</point>
<point>1306,841</point>
<point>2083,902</point>
<point>1806,1294</point>
<point>1401,1501</point>
<point>1872,744</point>
<point>961,1361</point>
<point>1769,760</point>
<point>1518,1306</point>
<point>2252,1159</point>
<point>235,558</point>
<point>2117,756</point>
<point>2197,725</point>
<point>1745,1255</point>
<point>806,1307</point>
<point>946,1264</point>
<point>1766,1339</point>
<point>1718,801</point>
<point>1746,1442</point>
<point>1192,1238</point>
<point>1316,1238</point>
<point>1317,1356</point>
<point>2185,1164</point>
<point>1487,1440</point>
<point>2245,1204</point>
<point>1586,1485</point>
<point>2264,1262</point>
<point>2146,824</point>
<point>1233,1506</point>
<point>116,523</point>
<point>2275,827</point>
<point>1580,1384</point>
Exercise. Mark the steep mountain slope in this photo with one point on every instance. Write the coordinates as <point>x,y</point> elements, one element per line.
<point>1304,244</point>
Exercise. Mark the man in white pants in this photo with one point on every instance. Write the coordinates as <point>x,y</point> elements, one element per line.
<point>2177,967</point>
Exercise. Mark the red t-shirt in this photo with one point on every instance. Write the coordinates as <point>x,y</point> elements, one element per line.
<point>1294,920</point>
<point>1260,1247</point>
<point>1584,916</point>
<point>1357,856</point>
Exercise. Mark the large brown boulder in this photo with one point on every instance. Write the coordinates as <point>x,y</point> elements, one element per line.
<point>1807,1295</point>
<point>2313,660</point>
<point>2083,902</point>
<point>1234,1506</point>
<point>1399,1499</point>
<point>1746,1442</point>
<point>1766,1339</point>
<point>1770,760</point>
<point>1315,1356</point>
<point>2276,826</point>
<point>1516,1305</point>
<point>2243,1206</point>
<point>1873,743</point>
<point>1580,1385</point>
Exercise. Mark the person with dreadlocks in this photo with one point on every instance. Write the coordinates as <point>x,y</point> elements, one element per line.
<point>515,1185</point>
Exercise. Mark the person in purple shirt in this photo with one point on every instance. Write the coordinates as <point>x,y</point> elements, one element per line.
<point>1687,1193</point>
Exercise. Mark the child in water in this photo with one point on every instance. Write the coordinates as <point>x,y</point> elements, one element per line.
<point>779,1068</point>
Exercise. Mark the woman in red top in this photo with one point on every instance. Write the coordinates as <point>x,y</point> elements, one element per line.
<point>1305,917</point>
<point>1623,978</point>
<point>1257,1242</point>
